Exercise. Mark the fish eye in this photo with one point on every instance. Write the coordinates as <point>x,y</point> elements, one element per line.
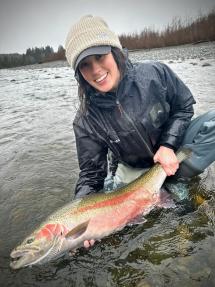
<point>30,240</point>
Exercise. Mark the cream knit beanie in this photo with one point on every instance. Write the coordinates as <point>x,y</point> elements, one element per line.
<point>89,31</point>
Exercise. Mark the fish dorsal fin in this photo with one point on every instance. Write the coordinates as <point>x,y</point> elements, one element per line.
<point>78,230</point>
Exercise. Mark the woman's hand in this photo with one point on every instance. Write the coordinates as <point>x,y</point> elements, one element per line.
<point>168,160</point>
<point>89,243</point>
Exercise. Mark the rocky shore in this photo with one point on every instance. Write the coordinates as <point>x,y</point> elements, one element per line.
<point>200,51</point>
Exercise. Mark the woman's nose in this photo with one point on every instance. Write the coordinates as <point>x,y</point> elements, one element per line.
<point>95,67</point>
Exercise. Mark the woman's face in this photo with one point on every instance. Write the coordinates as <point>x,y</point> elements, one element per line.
<point>101,72</point>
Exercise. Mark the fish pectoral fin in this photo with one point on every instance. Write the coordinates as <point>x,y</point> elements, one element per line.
<point>78,230</point>
<point>137,220</point>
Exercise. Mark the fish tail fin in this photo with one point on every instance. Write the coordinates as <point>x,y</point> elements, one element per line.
<point>183,153</point>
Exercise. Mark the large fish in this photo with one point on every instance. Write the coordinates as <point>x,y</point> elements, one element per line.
<point>92,217</point>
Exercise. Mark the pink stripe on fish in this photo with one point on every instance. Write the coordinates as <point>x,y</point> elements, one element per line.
<point>110,202</point>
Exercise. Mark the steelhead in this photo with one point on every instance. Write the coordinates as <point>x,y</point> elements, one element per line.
<point>93,217</point>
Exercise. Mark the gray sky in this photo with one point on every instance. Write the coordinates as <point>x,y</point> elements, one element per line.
<point>29,23</point>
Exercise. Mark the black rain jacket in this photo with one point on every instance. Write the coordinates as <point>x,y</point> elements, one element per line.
<point>151,107</point>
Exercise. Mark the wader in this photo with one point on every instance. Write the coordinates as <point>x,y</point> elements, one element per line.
<point>199,137</point>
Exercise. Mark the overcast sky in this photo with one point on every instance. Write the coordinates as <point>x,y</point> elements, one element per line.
<point>30,23</point>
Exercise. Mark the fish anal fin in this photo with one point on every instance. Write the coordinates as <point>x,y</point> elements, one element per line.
<point>166,200</point>
<point>78,230</point>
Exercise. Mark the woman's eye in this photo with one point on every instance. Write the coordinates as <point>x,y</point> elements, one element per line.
<point>83,65</point>
<point>98,57</point>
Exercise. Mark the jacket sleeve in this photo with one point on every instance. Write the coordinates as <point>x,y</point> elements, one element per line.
<point>181,101</point>
<point>92,158</point>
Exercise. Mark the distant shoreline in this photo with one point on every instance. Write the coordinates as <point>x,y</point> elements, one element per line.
<point>204,50</point>
<point>170,47</point>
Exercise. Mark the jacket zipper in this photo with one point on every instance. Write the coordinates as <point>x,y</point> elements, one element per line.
<point>122,111</point>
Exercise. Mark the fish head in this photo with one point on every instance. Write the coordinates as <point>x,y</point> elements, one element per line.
<point>41,246</point>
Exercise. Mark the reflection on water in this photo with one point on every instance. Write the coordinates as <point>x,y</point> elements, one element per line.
<point>38,171</point>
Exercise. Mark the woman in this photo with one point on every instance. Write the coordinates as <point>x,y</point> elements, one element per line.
<point>139,112</point>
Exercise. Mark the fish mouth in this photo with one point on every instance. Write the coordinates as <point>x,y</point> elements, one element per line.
<point>21,257</point>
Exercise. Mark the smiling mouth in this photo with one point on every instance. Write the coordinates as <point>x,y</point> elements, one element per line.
<point>102,78</point>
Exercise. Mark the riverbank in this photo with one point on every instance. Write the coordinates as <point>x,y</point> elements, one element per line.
<point>202,51</point>
<point>180,53</point>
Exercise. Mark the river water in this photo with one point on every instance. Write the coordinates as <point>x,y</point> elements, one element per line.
<point>38,171</point>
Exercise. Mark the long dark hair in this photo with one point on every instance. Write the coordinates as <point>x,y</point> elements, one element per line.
<point>84,88</point>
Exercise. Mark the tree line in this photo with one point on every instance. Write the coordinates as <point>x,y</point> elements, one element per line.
<point>176,33</point>
<point>32,56</point>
